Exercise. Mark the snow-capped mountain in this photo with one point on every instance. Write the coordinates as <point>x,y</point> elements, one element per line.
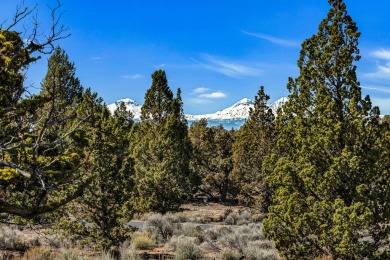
<point>278,103</point>
<point>131,105</point>
<point>239,111</point>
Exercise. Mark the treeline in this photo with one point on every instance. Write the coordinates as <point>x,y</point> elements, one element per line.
<point>319,170</point>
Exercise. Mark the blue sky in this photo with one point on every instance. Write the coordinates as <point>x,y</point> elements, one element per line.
<point>216,51</point>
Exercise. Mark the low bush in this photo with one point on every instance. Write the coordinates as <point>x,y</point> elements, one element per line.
<point>230,255</point>
<point>104,255</point>
<point>38,253</point>
<point>238,218</point>
<point>187,248</point>
<point>11,240</point>
<point>127,252</point>
<point>190,230</point>
<point>69,254</point>
<point>161,228</point>
<point>252,252</point>
<point>143,241</point>
<point>175,241</point>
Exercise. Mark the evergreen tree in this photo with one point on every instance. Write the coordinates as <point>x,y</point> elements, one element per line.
<point>329,173</point>
<point>105,204</point>
<point>161,150</point>
<point>44,162</point>
<point>61,79</point>
<point>212,159</point>
<point>254,140</point>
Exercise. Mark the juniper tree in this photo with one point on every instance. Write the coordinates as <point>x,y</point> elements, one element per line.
<point>254,140</point>
<point>44,162</point>
<point>161,150</point>
<point>105,204</point>
<point>329,174</point>
<point>212,159</point>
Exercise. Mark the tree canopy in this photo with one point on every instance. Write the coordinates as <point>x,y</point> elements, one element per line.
<point>328,172</point>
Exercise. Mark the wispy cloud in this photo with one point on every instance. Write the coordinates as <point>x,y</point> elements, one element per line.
<point>213,95</point>
<point>382,54</point>
<point>135,76</point>
<point>229,68</point>
<point>279,41</point>
<point>383,65</point>
<point>200,90</point>
<point>96,58</point>
<point>378,89</point>
<point>382,72</point>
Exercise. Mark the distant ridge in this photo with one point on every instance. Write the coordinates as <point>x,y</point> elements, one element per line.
<point>237,112</point>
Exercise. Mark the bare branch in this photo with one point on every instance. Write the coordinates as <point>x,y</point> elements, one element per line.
<point>22,12</point>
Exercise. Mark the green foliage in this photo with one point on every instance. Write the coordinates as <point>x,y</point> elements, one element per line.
<point>44,162</point>
<point>332,162</point>
<point>143,241</point>
<point>14,59</point>
<point>105,202</point>
<point>212,159</point>
<point>254,140</point>
<point>161,150</point>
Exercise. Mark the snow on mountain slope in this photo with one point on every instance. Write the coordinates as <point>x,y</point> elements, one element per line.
<point>131,105</point>
<point>278,103</point>
<point>238,111</point>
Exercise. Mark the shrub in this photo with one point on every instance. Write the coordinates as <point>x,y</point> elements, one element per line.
<point>175,241</point>
<point>10,240</point>
<point>193,231</point>
<point>69,254</point>
<point>241,237</point>
<point>38,253</point>
<point>161,228</point>
<point>230,255</point>
<point>252,252</point>
<point>142,241</point>
<point>187,248</point>
<point>127,252</point>
<point>227,212</point>
<point>238,218</point>
<point>104,255</point>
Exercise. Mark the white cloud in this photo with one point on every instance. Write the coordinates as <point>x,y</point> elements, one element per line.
<point>96,58</point>
<point>378,89</point>
<point>383,65</point>
<point>135,76</point>
<point>382,72</point>
<point>200,90</point>
<point>229,68</point>
<point>272,39</point>
<point>382,54</point>
<point>213,95</point>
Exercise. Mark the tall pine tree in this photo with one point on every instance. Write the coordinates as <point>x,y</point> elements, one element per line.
<point>161,150</point>
<point>329,173</point>
<point>254,140</point>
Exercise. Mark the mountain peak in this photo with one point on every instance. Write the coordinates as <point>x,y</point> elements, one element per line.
<point>131,105</point>
<point>127,101</point>
<point>244,101</point>
<point>238,111</point>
